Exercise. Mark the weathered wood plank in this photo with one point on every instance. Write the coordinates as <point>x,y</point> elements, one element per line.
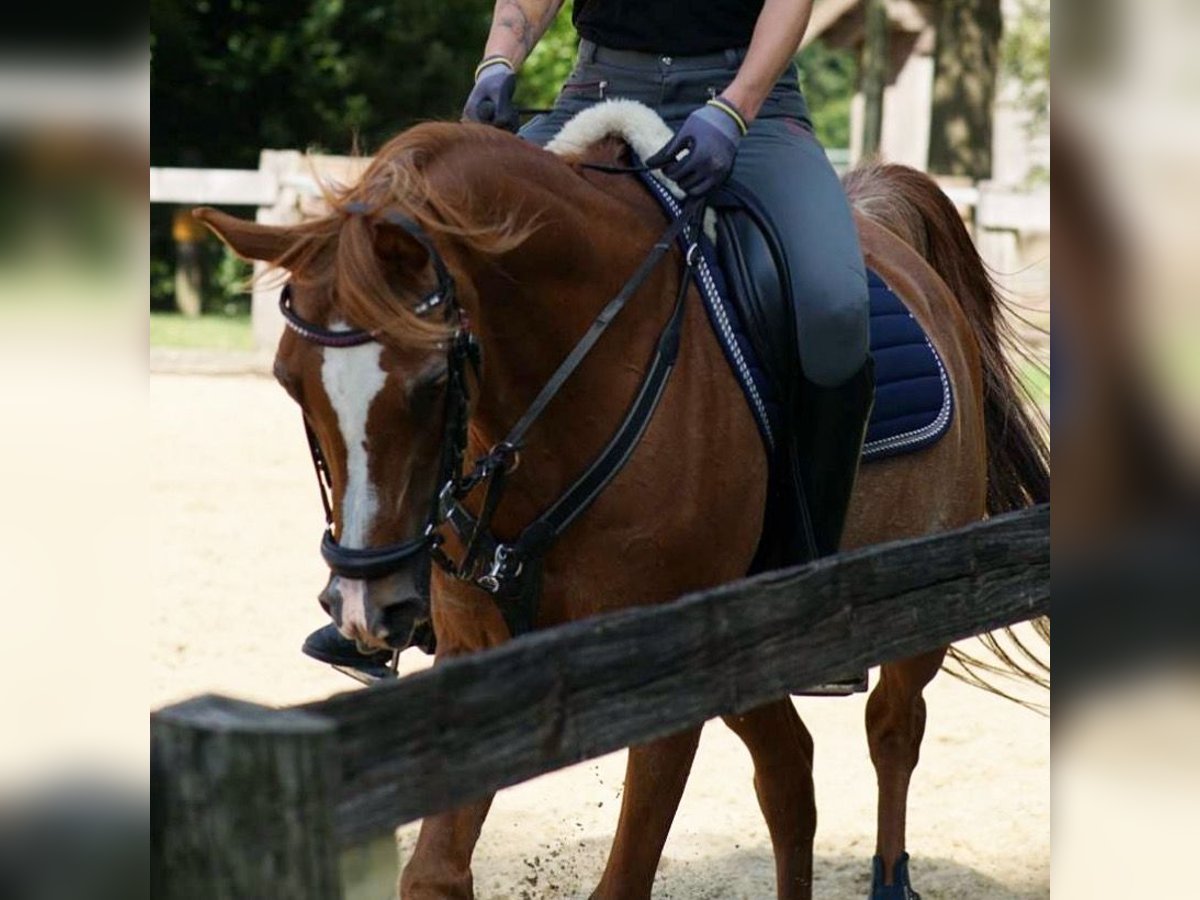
<point>439,738</point>
<point>241,803</point>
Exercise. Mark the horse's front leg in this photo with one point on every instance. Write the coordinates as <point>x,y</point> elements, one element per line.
<point>440,866</point>
<point>895,726</point>
<point>655,775</point>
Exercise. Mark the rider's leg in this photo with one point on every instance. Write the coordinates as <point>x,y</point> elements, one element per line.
<point>782,162</point>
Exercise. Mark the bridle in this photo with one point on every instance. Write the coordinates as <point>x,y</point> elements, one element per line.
<point>462,351</point>
<point>509,570</point>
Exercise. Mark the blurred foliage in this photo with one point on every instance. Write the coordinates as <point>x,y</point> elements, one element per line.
<point>226,276</point>
<point>58,201</point>
<point>829,77</point>
<point>1026,55</point>
<point>230,282</point>
<point>230,77</point>
<point>550,62</point>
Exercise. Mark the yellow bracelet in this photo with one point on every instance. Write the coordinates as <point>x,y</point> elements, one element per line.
<point>491,61</point>
<point>728,108</point>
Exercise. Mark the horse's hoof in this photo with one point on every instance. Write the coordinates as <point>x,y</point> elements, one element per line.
<point>900,888</point>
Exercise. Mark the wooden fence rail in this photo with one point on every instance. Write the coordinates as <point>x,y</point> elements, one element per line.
<point>464,729</point>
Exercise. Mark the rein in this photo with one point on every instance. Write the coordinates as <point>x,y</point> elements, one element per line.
<point>510,571</point>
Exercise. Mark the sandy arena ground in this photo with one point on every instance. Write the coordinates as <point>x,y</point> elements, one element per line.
<point>236,571</point>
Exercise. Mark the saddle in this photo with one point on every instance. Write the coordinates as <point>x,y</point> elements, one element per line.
<point>743,280</point>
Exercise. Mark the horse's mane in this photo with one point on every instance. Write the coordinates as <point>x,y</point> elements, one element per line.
<point>372,271</point>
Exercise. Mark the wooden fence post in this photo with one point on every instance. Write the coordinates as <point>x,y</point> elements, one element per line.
<point>242,803</point>
<point>265,317</point>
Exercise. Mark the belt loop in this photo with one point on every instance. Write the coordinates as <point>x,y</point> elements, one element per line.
<point>587,51</point>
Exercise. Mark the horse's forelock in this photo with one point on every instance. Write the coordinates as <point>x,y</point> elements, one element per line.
<point>424,173</point>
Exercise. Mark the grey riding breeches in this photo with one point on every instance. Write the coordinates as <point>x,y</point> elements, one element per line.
<point>779,160</point>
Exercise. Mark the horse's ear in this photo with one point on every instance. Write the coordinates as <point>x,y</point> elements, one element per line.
<point>249,240</point>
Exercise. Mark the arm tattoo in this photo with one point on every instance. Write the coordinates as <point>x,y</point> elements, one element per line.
<point>511,16</point>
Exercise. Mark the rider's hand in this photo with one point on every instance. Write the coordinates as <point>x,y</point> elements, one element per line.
<point>700,156</point>
<point>491,100</point>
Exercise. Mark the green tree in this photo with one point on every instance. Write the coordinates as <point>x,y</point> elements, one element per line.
<point>230,77</point>
<point>1026,54</point>
<point>550,62</point>
<point>829,76</point>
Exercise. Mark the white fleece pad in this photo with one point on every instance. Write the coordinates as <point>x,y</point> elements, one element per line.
<point>635,123</point>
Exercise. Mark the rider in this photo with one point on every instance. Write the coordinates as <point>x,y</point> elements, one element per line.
<point>720,73</point>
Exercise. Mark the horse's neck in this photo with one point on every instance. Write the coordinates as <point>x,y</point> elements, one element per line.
<point>530,309</point>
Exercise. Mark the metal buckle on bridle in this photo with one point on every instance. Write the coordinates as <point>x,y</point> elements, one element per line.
<point>505,566</point>
<point>446,496</point>
<point>433,301</point>
<point>504,457</point>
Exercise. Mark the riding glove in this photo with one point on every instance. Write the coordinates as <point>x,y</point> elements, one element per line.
<point>491,100</point>
<point>700,155</point>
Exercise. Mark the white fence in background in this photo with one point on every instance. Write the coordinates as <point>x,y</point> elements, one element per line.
<point>285,188</point>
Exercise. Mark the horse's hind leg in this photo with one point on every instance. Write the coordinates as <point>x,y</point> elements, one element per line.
<point>655,775</point>
<point>440,866</point>
<point>895,726</point>
<point>782,750</point>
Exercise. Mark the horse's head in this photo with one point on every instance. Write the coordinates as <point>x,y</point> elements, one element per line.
<point>368,367</point>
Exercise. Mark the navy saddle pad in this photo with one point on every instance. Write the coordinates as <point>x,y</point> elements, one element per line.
<point>913,400</point>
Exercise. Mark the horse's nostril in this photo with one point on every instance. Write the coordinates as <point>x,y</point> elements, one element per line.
<point>331,601</point>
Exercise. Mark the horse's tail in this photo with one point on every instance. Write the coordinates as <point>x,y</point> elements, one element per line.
<point>912,206</point>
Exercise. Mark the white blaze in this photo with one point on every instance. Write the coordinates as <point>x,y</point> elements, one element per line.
<point>353,377</point>
<point>354,606</point>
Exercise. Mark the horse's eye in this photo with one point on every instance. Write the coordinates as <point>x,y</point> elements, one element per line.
<point>288,381</point>
<point>424,390</point>
<point>429,381</point>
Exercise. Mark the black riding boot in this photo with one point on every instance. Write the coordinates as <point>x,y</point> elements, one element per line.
<point>831,424</point>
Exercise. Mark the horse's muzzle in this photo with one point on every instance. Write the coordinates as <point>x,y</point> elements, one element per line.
<point>389,611</point>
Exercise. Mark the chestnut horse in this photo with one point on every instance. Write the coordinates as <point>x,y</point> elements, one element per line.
<point>535,245</point>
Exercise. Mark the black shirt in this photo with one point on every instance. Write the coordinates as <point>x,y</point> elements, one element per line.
<point>670,27</point>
